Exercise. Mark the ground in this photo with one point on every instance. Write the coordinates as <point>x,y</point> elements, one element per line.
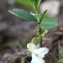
<point>15,33</point>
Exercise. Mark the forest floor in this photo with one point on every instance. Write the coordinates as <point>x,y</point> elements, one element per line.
<point>15,33</point>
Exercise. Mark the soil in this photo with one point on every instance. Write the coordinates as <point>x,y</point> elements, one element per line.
<point>15,33</point>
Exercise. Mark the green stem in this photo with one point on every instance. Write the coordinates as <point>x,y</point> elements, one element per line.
<point>37,15</point>
<point>38,21</point>
<point>40,32</point>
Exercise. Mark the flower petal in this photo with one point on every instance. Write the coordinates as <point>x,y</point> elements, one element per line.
<point>36,59</point>
<point>41,52</point>
<point>31,47</point>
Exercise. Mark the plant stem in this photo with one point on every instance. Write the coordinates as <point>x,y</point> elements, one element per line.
<point>40,32</point>
<point>37,15</point>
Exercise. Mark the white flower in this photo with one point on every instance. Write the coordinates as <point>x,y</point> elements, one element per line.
<point>37,54</point>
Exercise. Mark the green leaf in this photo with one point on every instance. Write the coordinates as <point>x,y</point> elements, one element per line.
<point>23,14</point>
<point>42,15</point>
<point>48,23</point>
<point>26,5</point>
<point>38,3</point>
<point>33,0</point>
<point>28,2</point>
